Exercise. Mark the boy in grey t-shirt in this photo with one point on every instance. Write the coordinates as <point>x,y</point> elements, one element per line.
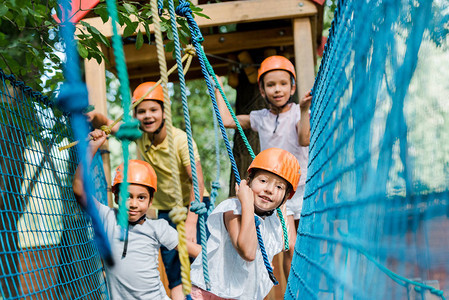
<point>135,273</point>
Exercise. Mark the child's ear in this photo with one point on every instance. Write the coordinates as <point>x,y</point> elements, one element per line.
<point>292,92</point>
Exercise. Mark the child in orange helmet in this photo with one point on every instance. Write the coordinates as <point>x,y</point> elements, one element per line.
<point>284,125</point>
<point>135,273</point>
<point>236,266</point>
<point>153,147</point>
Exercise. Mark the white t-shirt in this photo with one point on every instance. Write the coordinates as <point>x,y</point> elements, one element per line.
<point>230,275</point>
<point>136,276</point>
<point>285,136</point>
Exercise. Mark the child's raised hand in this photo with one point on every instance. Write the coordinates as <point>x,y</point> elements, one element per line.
<point>90,116</point>
<point>97,138</point>
<point>244,193</point>
<point>305,102</point>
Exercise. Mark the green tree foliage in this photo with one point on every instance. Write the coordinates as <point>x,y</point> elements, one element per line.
<point>201,117</point>
<point>31,49</point>
<point>28,40</point>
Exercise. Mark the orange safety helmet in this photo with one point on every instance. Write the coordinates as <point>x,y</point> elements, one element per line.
<point>139,172</point>
<point>279,162</point>
<point>156,94</point>
<point>275,62</point>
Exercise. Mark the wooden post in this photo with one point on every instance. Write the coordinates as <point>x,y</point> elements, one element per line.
<point>96,85</point>
<point>304,59</point>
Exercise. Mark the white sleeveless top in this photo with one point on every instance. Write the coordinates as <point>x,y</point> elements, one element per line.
<point>285,136</point>
<point>230,275</point>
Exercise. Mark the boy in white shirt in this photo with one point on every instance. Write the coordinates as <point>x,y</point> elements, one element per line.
<point>134,274</point>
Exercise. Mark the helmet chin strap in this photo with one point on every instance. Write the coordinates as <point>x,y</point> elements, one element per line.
<point>264,213</point>
<point>278,110</point>
<point>160,127</point>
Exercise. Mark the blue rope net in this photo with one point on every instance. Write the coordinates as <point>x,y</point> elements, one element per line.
<point>375,220</point>
<point>47,248</point>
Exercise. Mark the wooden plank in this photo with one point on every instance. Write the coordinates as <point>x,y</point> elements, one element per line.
<point>96,86</point>
<point>232,12</point>
<point>213,44</point>
<point>304,59</point>
<point>152,74</point>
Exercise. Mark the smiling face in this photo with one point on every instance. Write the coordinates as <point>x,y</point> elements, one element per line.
<point>277,87</point>
<point>138,202</point>
<point>269,190</point>
<point>150,115</point>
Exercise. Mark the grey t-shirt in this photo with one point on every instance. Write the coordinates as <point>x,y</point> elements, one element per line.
<point>136,276</point>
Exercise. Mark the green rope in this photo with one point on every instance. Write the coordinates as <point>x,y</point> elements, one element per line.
<point>129,130</point>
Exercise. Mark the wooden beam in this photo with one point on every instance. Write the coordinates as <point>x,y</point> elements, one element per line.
<point>217,44</point>
<point>96,86</point>
<point>304,59</point>
<point>138,76</point>
<point>233,12</point>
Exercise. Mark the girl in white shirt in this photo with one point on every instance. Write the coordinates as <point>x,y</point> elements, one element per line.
<point>236,265</point>
<point>284,124</point>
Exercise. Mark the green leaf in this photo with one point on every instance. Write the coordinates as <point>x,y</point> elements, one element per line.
<point>35,14</point>
<point>147,31</point>
<point>103,13</point>
<point>24,11</point>
<point>98,36</point>
<point>20,21</point>
<point>164,27</point>
<point>195,8</point>
<point>170,46</point>
<point>146,14</point>
<point>3,40</point>
<point>184,39</point>
<point>139,40</point>
<point>130,29</point>
<point>96,55</point>
<point>202,15</point>
<point>170,34</point>
<point>3,10</point>
<point>130,8</point>
<point>83,52</point>
<point>122,19</point>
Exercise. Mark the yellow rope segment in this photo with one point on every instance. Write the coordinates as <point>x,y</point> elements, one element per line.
<point>190,52</point>
<point>178,213</point>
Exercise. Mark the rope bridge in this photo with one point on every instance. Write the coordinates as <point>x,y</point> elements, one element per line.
<point>47,250</point>
<point>375,220</point>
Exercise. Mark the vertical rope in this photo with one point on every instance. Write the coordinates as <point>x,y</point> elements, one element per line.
<point>179,213</point>
<point>184,10</point>
<point>129,129</point>
<point>197,206</point>
<point>73,99</point>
